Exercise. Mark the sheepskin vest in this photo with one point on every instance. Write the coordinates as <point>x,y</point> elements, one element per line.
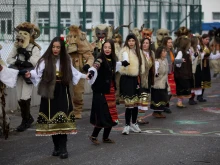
<point>133,68</point>
<point>46,89</point>
<point>149,71</point>
<point>161,81</point>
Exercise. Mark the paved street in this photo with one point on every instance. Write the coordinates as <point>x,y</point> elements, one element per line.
<point>189,136</point>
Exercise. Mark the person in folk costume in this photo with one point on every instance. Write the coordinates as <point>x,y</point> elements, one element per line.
<point>8,77</point>
<point>24,55</point>
<point>183,71</point>
<point>80,51</point>
<point>168,44</point>
<point>206,74</point>
<point>196,69</point>
<point>215,48</point>
<point>130,81</point>
<point>55,75</point>
<point>206,55</point>
<point>104,113</point>
<point>147,79</point>
<point>159,91</point>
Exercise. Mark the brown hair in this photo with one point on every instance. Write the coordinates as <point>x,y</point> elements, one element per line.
<point>159,51</point>
<point>165,40</point>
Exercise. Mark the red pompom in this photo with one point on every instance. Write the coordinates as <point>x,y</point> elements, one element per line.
<point>62,38</point>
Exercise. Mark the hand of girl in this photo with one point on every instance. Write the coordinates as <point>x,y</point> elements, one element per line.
<point>27,74</point>
<point>183,59</point>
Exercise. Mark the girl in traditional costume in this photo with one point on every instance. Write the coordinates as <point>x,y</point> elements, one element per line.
<point>159,91</point>
<point>130,81</point>
<point>147,79</point>
<point>55,75</point>
<point>183,71</point>
<point>104,113</point>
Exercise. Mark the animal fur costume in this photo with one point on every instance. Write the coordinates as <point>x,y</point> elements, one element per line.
<point>80,51</point>
<point>160,35</point>
<point>100,33</point>
<point>24,55</point>
<point>215,48</point>
<point>182,31</point>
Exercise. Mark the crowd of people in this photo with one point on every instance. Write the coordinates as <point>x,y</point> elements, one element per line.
<point>148,76</point>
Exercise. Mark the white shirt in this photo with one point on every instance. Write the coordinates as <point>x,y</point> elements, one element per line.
<point>37,74</point>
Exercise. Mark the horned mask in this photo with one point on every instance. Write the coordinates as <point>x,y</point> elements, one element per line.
<point>26,33</point>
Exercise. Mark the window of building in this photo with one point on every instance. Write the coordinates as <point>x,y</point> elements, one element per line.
<point>216,15</point>
<point>172,23</point>
<point>153,21</point>
<point>6,23</point>
<point>43,22</point>
<point>88,19</point>
<point>109,17</point>
<point>65,19</point>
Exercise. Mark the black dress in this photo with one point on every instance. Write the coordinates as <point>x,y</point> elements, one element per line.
<point>104,113</point>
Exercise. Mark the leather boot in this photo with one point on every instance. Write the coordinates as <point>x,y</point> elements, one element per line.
<point>22,126</point>
<point>63,150</point>
<point>56,151</point>
<point>30,119</point>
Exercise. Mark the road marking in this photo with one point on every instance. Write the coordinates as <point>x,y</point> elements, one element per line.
<point>182,122</point>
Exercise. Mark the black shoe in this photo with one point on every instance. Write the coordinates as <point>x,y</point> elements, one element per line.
<point>29,122</point>
<point>63,148</point>
<point>192,102</point>
<point>202,99</point>
<point>167,110</point>
<point>22,127</point>
<point>64,155</point>
<point>215,75</point>
<point>56,152</point>
<point>117,102</point>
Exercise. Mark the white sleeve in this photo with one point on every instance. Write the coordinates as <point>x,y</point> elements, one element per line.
<point>94,77</point>
<point>125,56</point>
<point>179,56</point>
<point>36,74</point>
<point>118,66</point>
<point>157,65</point>
<point>77,75</point>
<point>9,76</point>
<point>214,57</point>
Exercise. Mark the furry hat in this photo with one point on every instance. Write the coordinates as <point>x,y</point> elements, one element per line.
<point>182,31</point>
<point>30,28</point>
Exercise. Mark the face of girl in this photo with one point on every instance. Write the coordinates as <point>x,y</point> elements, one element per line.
<point>107,48</point>
<point>169,44</point>
<point>163,53</point>
<point>146,45</point>
<point>205,40</point>
<point>56,48</point>
<point>131,43</point>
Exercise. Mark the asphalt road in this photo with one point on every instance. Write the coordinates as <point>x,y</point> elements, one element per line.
<point>189,136</point>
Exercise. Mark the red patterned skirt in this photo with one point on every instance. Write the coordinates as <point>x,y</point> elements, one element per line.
<point>104,113</point>
<point>172,83</point>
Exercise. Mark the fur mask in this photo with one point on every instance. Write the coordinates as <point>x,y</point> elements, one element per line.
<point>161,33</point>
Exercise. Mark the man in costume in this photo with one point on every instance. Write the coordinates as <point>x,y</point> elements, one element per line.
<point>80,51</point>
<point>161,33</point>
<point>23,57</point>
<point>100,33</point>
